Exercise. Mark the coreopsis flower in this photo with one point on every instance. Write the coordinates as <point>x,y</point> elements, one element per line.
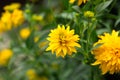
<point>17,17</point>
<point>63,41</point>
<point>89,14</point>
<point>5,55</point>
<point>79,2</point>
<point>12,6</point>
<point>25,33</point>
<point>108,54</point>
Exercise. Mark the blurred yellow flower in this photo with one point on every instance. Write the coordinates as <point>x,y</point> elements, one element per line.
<point>32,75</point>
<point>25,33</point>
<point>2,27</point>
<point>37,17</point>
<point>17,17</point>
<point>79,2</point>
<point>12,6</point>
<point>62,41</point>
<point>42,44</point>
<point>89,14</point>
<point>108,54</point>
<point>6,20</point>
<point>5,55</point>
<point>36,39</point>
<point>71,1</point>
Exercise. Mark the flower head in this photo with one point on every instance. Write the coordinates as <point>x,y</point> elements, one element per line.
<point>6,20</point>
<point>62,41</point>
<point>108,54</point>
<point>12,6</point>
<point>5,55</point>
<point>17,17</point>
<point>32,75</point>
<point>79,2</point>
<point>37,17</point>
<point>89,14</point>
<point>25,33</point>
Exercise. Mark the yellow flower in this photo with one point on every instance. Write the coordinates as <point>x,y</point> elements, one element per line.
<point>37,17</point>
<point>108,54</point>
<point>17,17</point>
<point>2,27</point>
<point>12,6</point>
<point>25,33</point>
<point>32,75</point>
<point>71,1</point>
<point>5,55</point>
<point>36,39</point>
<point>6,20</point>
<point>42,44</point>
<point>79,2</point>
<point>89,14</point>
<point>62,41</point>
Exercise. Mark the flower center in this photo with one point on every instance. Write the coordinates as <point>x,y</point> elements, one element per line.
<point>117,52</point>
<point>62,38</point>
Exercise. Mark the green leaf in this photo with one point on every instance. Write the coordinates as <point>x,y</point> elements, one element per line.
<point>117,22</point>
<point>96,46</point>
<point>99,8</point>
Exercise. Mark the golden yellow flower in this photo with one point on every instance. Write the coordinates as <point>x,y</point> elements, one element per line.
<point>108,54</point>
<point>79,1</point>
<point>12,6</point>
<point>62,41</point>
<point>17,17</point>
<point>25,33</point>
<point>6,20</point>
<point>89,14</point>
<point>5,55</point>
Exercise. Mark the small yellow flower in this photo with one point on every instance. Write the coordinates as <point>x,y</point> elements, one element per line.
<point>25,33</point>
<point>12,6</point>
<point>5,55</point>
<point>17,17</point>
<point>2,27</point>
<point>37,17</point>
<point>36,39</point>
<point>62,41</point>
<point>79,2</point>
<point>71,1</point>
<point>89,14</point>
<point>108,54</point>
<point>6,20</point>
<point>42,44</point>
<point>32,75</point>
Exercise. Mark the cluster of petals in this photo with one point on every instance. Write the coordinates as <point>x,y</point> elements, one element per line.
<point>62,41</point>
<point>107,55</point>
